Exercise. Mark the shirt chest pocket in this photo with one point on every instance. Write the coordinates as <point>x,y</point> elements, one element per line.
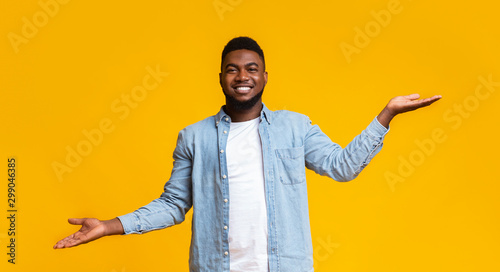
<point>291,165</point>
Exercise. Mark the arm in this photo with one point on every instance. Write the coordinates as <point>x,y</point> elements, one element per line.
<point>165,211</point>
<point>327,158</point>
<point>344,164</point>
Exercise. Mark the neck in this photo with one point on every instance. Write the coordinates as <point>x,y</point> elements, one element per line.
<point>243,115</point>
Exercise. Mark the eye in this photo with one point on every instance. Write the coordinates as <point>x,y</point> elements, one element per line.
<point>231,70</point>
<point>252,69</point>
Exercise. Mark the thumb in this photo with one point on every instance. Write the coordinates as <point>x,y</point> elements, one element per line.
<point>76,221</point>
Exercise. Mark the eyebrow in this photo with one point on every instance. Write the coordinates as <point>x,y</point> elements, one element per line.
<point>246,65</point>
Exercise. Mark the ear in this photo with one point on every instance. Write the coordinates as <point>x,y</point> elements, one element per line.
<point>220,79</point>
<point>265,78</point>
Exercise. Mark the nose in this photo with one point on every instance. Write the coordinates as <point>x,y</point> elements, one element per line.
<point>242,76</point>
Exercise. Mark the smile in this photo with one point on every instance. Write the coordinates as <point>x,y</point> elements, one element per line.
<point>243,89</point>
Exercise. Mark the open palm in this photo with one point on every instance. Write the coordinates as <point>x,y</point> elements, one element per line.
<point>91,229</point>
<point>400,104</point>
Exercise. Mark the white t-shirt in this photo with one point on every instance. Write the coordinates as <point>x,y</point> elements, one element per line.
<point>247,198</point>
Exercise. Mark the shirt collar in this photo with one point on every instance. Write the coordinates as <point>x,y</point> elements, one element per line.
<point>264,114</point>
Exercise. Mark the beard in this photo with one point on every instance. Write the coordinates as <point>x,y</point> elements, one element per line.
<point>243,105</point>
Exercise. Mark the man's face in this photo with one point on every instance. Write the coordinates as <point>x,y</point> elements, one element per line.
<point>242,77</point>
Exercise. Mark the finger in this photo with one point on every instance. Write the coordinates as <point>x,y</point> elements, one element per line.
<point>412,96</point>
<point>69,241</point>
<point>76,221</point>
<point>424,102</point>
<point>431,100</point>
<point>61,242</point>
<point>72,243</point>
<point>436,97</point>
<point>66,244</point>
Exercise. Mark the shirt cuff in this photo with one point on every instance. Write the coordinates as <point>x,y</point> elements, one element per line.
<point>376,129</point>
<point>128,222</point>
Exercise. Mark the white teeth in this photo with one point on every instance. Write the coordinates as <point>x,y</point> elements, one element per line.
<point>243,88</point>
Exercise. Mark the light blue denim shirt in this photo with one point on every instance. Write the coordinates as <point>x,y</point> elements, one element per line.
<point>290,143</point>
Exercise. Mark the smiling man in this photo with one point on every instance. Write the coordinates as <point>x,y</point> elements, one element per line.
<point>243,77</point>
<point>243,173</point>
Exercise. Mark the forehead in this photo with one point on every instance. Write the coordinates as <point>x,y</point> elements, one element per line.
<point>242,57</point>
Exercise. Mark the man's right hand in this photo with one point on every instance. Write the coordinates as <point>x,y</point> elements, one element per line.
<point>92,229</point>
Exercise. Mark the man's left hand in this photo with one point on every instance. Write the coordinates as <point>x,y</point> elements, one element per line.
<point>400,104</point>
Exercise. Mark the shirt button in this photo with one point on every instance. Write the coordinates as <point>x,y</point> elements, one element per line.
<point>226,253</point>
<point>225,227</point>
<point>225,131</point>
<point>222,151</point>
<point>224,176</point>
<point>225,200</point>
<point>227,119</point>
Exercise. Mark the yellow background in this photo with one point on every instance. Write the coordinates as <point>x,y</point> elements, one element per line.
<point>441,216</point>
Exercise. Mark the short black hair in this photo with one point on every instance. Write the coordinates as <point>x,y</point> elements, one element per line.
<point>243,42</point>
